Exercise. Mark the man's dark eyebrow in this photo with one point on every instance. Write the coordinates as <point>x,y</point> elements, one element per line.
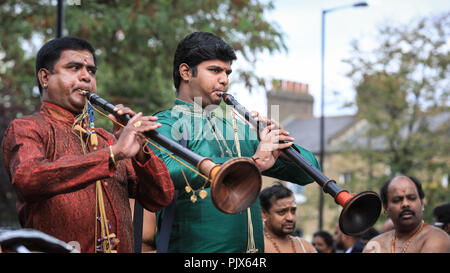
<point>213,66</point>
<point>73,63</point>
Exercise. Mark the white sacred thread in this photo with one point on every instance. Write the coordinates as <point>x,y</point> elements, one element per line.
<point>373,247</point>
<point>76,245</point>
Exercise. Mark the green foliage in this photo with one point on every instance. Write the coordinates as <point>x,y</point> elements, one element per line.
<point>403,89</point>
<point>136,41</point>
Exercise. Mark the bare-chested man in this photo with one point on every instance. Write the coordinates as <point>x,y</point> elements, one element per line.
<point>403,203</point>
<point>279,216</point>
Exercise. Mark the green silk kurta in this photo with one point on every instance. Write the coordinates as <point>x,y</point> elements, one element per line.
<point>200,226</point>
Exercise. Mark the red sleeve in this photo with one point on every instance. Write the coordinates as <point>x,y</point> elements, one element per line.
<point>34,176</point>
<point>154,189</point>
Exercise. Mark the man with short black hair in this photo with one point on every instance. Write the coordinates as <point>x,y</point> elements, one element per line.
<point>279,216</point>
<point>201,70</point>
<point>73,180</point>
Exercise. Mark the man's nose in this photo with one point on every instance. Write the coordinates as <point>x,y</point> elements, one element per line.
<point>405,203</point>
<point>290,216</point>
<point>84,75</point>
<point>223,79</point>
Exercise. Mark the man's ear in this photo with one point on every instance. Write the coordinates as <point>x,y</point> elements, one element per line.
<point>385,210</point>
<point>43,76</point>
<point>265,214</point>
<point>185,72</point>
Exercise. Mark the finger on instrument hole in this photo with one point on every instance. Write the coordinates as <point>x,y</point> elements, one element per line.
<point>134,119</point>
<point>124,110</point>
<point>118,107</point>
<point>150,118</point>
<point>284,132</point>
<point>285,138</point>
<point>148,125</point>
<point>285,145</point>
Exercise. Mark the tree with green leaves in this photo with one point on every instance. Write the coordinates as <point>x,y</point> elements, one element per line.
<point>402,91</point>
<point>135,42</point>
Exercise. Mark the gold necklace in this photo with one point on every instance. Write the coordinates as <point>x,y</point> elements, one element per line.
<point>218,135</point>
<point>275,245</point>
<point>203,193</point>
<point>405,247</point>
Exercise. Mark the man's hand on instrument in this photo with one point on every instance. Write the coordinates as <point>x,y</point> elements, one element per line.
<point>265,121</point>
<point>120,110</point>
<point>269,148</point>
<point>130,143</point>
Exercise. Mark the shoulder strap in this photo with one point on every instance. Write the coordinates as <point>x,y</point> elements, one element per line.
<point>169,211</point>
<point>137,225</point>
<point>166,226</point>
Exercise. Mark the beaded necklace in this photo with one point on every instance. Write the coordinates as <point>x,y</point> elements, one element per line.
<point>405,247</point>
<point>275,245</point>
<point>192,112</point>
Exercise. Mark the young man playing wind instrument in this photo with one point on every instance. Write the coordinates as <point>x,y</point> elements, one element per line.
<point>201,70</point>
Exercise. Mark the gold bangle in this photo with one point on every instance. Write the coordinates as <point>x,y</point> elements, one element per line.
<point>111,155</point>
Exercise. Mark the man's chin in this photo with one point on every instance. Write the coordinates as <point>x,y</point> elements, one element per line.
<point>216,101</point>
<point>78,106</point>
<point>407,222</point>
<point>212,105</point>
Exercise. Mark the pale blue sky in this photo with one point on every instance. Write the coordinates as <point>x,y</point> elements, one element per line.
<point>301,22</point>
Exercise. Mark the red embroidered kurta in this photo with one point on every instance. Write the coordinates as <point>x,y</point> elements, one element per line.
<point>55,181</point>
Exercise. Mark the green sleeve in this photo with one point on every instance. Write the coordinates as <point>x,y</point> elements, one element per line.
<point>286,170</point>
<point>175,167</point>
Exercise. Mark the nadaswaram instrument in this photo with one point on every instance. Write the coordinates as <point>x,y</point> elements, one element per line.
<point>235,184</point>
<point>360,211</point>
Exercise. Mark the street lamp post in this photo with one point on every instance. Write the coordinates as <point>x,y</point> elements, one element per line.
<point>322,102</point>
<point>59,18</point>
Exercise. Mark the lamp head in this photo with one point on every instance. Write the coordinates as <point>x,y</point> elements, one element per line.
<point>361,4</point>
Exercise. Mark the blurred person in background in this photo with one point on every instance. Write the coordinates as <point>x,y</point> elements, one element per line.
<point>323,242</point>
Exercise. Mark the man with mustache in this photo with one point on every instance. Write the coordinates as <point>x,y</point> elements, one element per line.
<point>279,216</point>
<point>402,199</point>
<point>73,180</point>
